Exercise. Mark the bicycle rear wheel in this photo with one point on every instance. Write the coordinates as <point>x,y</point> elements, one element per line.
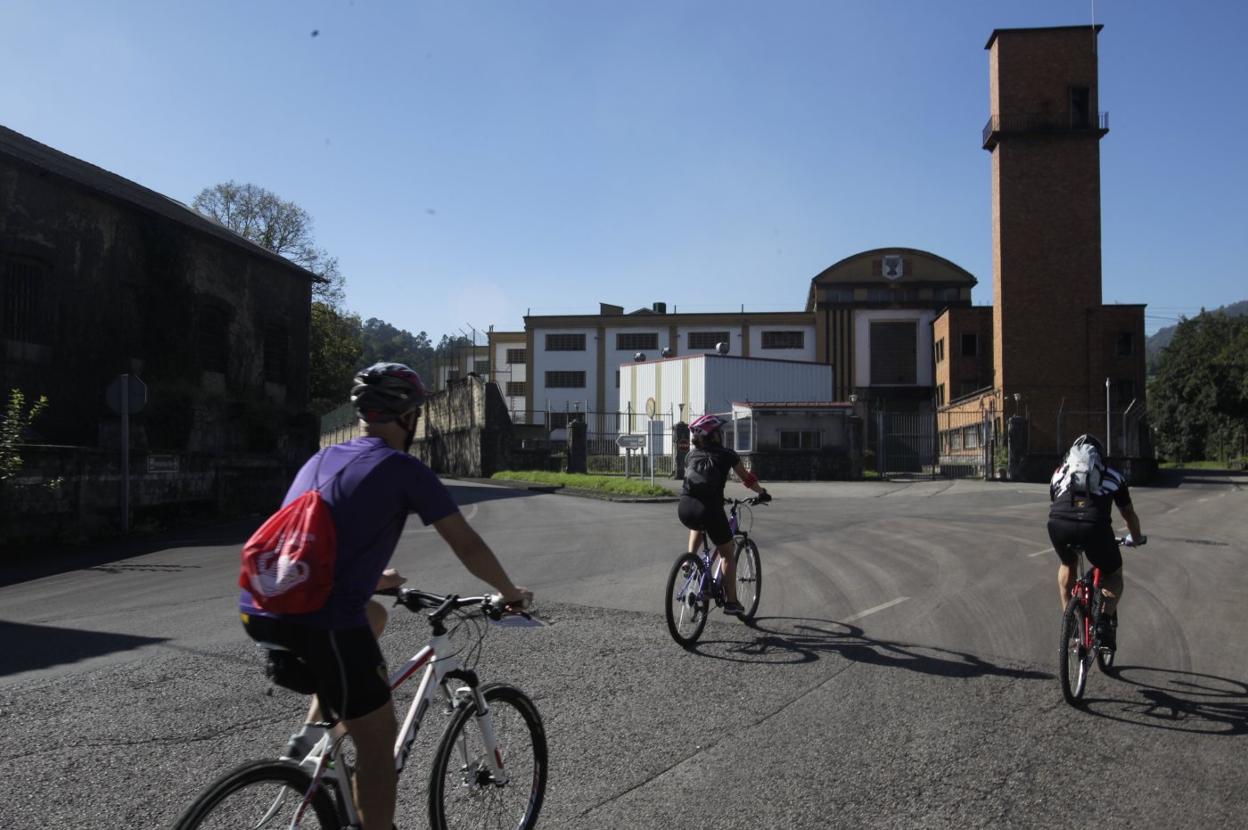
<point>749,577</point>
<point>261,795</point>
<point>685,606</point>
<point>1074,655</point>
<point>463,791</point>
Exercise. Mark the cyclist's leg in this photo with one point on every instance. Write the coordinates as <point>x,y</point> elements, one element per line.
<point>1102,551</point>
<point>695,541</point>
<point>375,781</point>
<point>1062,535</point>
<point>720,534</point>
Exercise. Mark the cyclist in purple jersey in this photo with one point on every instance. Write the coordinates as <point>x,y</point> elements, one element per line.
<point>370,484</point>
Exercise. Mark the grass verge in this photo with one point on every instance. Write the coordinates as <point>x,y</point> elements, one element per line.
<point>1233,464</point>
<point>578,481</point>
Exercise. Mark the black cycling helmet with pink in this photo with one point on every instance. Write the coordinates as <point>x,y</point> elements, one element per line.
<point>705,426</point>
<point>384,391</point>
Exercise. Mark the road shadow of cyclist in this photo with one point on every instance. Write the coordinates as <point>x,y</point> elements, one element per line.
<point>785,640</point>
<point>1174,700</point>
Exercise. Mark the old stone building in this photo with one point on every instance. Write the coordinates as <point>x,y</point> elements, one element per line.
<point>101,276</point>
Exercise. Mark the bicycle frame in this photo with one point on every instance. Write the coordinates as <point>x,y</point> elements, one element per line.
<point>711,576</point>
<point>322,759</point>
<point>1086,587</point>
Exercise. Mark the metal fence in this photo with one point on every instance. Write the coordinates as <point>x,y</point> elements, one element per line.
<point>603,444</point>
<point>1123,430</point>
<point>934,444</point>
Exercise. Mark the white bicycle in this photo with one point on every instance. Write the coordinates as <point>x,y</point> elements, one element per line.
<point>489,769</point>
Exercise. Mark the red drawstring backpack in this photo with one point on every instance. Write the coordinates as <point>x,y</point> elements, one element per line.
<point>288,564</point>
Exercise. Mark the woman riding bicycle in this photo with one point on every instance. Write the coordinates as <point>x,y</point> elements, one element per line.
<point>701,506</point>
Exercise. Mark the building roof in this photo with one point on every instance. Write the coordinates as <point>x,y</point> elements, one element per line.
<point>996,32</point>
<point>15,145</point>
<point>794,404</point>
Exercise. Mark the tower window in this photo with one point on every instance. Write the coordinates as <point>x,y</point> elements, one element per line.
<point>970,345</point>
<point>1126,344</point>
<point>1080,107</point>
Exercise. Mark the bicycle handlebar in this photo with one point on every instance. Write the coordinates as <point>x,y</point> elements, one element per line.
<point>755,501</point>
<point>415,600</point>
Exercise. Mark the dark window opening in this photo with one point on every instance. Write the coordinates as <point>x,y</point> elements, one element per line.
<point>515,389</point>
<point>26,304</point>
<point>565,342</point>
<point>565,380</point>
<point>636,341</point>
<point>800,439</point>
<point>784,339</point>
<point>1080,107</point>
<point>276,353</point>
<point>706,339</point>
<point>481,367</point>
<point>516,356</point>
<point>1126,344</point>
<point>214,333</point>
<point>894,353</point>
<point>970,345</point>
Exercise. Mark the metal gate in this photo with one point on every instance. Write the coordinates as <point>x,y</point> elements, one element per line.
<point>934,445</point>
<point>905,444</point>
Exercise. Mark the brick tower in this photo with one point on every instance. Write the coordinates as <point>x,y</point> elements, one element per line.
<point>1049,327</point>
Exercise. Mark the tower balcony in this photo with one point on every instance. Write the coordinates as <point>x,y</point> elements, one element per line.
<point>1045,122</point>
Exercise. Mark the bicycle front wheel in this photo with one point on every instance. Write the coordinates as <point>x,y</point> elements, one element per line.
<point>261,795</point>
<point>1073,657</point>
<point>463,788</point>
<point>685,606</point>
<point>749,577</point>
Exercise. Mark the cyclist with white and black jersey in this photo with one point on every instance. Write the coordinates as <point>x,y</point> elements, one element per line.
<point>701,507</point>
<point>1082,493</point>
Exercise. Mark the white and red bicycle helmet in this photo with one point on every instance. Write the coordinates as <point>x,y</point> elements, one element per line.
<point>705,426</point>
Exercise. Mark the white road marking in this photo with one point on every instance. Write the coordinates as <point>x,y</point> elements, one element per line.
<point>1040,552</point>
<point>871,611</point>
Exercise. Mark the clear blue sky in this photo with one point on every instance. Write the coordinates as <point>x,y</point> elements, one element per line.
<point>467,161</point>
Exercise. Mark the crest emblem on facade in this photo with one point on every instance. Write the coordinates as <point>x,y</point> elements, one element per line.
<point>892,268</point>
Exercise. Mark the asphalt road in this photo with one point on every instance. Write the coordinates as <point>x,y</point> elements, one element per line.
<point>901,673</point>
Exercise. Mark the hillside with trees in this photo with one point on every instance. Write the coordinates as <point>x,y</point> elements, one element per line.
<point>1162,337</point>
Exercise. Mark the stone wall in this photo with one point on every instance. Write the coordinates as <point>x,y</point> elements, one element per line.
<point>465,430</point>
<point>66,494</point>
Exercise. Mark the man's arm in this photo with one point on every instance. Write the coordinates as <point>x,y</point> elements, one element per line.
<point>1133,522</point>
<point>477,557</point>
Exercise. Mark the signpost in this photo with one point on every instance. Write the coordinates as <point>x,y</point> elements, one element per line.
<point>654,441</point>
<point>629,442</point>
<point>125,394</point>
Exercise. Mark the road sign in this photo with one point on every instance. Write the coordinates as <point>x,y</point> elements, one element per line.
<point>129,385</point>
<point>630,442</point>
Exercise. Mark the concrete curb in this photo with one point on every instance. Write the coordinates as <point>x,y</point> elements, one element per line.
<point>563,490</point>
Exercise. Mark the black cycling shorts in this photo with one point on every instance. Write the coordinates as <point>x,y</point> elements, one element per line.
<point>351,678</point>
<point>1097,539</point>
<point>697,515</point>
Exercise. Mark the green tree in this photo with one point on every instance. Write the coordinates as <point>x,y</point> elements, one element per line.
<point>16,419</point>
<point>385,342</point>
<point>1198,398</point>
<point>337,351</point>
<point>274,223</point>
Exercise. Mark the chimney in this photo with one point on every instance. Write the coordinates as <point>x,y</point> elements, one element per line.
<point>608,310</point>
<point>659,308</point>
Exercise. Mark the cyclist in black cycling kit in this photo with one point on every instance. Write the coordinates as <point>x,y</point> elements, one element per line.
<point>1081,493</point>
<point>702,497</point>
<point>370,485</point>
